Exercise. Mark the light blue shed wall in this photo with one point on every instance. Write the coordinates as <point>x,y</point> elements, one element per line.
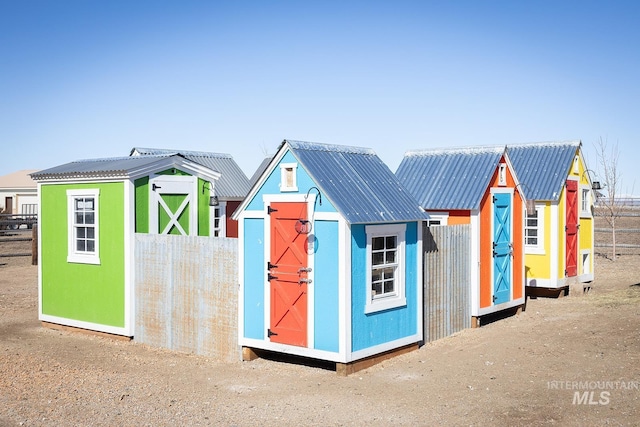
<point>254,270</point>
<point>326,291</point>
<point>385,326</point>
<point>304,183</point>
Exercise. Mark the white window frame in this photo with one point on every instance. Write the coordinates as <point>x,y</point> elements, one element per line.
<point>222,220</point>
<point>398,297</point>
<point>73,255</point>
<point>437,219</point>
<point>284,171</point>
<point>538,248</point>
<point>585,203</point>
<point>502,174</point>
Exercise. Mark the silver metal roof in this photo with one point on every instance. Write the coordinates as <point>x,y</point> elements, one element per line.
<point>261,168</point>
<point>233,183</point>
<point>543,167</point>
<point>449,178</point>
<point>361,187</point>
<point>94,168</point>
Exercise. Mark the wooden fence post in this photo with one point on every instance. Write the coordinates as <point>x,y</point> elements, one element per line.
<point>34,245</point>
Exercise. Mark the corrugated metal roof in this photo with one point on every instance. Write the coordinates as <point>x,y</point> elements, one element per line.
<point>108,167</point>
<point>357,182</point>
<point>261,168</point>
<point>233,183</point>
<point>449,178</point>
<point>543,167</point>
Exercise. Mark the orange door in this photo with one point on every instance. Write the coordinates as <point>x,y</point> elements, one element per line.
<point>571,229</point>
<point>288,274</point>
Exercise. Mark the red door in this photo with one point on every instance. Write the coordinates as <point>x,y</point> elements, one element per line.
<point>288,274</point>
<point>571,229</point>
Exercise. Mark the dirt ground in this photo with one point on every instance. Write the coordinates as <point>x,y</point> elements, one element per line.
<point>567,361</point>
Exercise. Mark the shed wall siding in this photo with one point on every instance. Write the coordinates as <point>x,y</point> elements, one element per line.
<point>381,327</point>
<point>253,295</point>
<point>83,292</point>
<point>326,286</point>
<point>186,294</point>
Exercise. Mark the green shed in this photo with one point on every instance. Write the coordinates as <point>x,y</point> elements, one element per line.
<point>89,212</point>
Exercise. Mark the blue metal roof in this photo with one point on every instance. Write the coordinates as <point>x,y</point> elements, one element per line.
<point>94,168</point>
<point>233,183</point>
<point>361,187</point>
<point>543,167</point>
<point>449,178</point>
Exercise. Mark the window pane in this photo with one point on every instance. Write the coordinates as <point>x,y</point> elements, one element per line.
<point>389,273</point>
<point>391,242</point>
<point>377,258</point>
<point>91,245</point>
<point>391,257</point>
<point>533,233</point>
<point>532,222</point>
<point>91,233</point>
<point>377,243</point>
<point>79,218</point>
<point>82,232</point>
<point>89,218</point>
<point>376,289</point>
<point>376,275</point>
<point>88,204</point>
<point>80,246</point>
<point>388,286</point>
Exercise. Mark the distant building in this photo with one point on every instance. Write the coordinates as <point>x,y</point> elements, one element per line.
<point>18,193</point>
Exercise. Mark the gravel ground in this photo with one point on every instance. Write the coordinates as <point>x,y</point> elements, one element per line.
<point>521,370</point>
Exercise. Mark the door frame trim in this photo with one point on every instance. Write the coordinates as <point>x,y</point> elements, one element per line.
<point>154,196</point>
<point>510,191</point>
<point>290,198</point>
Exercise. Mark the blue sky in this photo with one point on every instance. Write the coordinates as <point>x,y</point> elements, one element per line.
<point>89,79</point>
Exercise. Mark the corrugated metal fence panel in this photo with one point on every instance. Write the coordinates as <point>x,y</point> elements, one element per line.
<point>186,291</point>
<point>447,295</point>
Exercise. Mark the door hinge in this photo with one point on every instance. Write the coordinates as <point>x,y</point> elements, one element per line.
<point>270,266</point>
<point>494,199</point>
<point>495,298</point>
<point>271,277</point>
<point>270,333</point>
<point>154,187</point>
<point>270,209</point>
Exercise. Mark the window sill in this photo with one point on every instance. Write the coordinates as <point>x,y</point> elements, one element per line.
<point>534,251</point>
<point>83,259</point>
<point>385,304</point>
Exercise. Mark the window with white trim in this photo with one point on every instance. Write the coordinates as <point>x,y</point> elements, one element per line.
<point>437,219</point>
<point>534,231</point>
<point>218,220</point>
<point>585,202</point>
<point>82,213</point>
<point>288,179</point>
<point>385,267</point>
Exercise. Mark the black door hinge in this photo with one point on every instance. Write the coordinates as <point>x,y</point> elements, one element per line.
<point>270,277</point>
<point>270,333</point>
<point>270,209</point>
<point>270,266</point>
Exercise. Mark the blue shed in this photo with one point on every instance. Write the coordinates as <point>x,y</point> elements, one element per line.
<point>329,257</point>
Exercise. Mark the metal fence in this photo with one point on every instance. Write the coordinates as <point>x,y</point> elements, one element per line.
<point>447,254</point>
<point>186,294</point>
<point>627,230</point>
